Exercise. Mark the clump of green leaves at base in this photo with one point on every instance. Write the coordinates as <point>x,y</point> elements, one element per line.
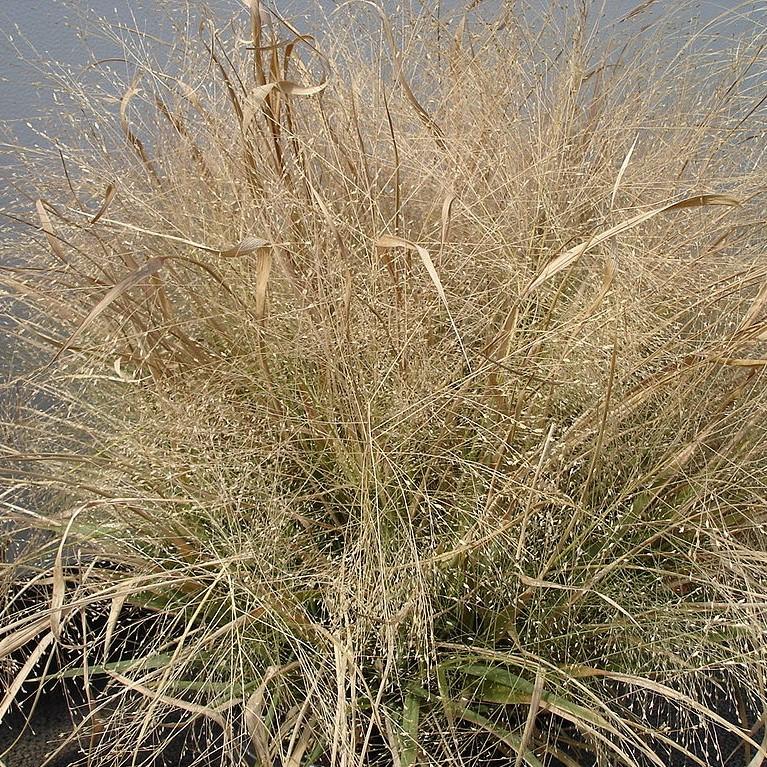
<point>406,389</point>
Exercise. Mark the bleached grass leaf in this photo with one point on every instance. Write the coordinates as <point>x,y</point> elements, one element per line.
<point>262,281</point>
<point>390,241</point>
<point>20,637</point>
<point>109,195</point>
<point>58,614</point>
<point>54,241</point>
<point>295,89</point>
<point>535,700</point>
<point>133,279</point>
<point>447,206</point>
<point>118,602</point>
<point>24,673</point>
<point>245,247</point>
<point>259,94</point>
<point>624,165</point>
<point>755,310</point>
<point>254,102</point>
<point>295,757</point>
<point>570,256</point>
<point>758,759</point>
<point>169,700</point>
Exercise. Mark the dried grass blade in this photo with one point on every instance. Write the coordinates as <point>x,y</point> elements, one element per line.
<point>108,197</point>
<point>58,590</point>
<point>535,702</point>
<point>118,601</point>
<point>447,207</point>
<point>130,136</point>
<point>258,96</point>
<point>168,700</point>
<point>569,257</point>
<point>256,24</point>
<point>296,754</point>
<point>255,101</point>
<point>262,280</point>
<point>21,636</point>
<point>253,720</point>
<point>758,759</point>
<point>158,292</point>
<point>740,362</point>
<point>112,295</point>
<point>180,127</point>
<point>189,94</point>
<point>245,247</point>
<point>290,88</point>
<point>54,241</point>
<point>424,116</point>
<point>24,672</point>
<point>754,310</point>
<point>389,241</point>
<point>624,165</point>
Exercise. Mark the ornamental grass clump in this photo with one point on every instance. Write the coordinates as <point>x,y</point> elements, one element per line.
<point>404,396</point>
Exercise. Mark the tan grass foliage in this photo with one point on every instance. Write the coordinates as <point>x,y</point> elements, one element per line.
<point>403,391</point>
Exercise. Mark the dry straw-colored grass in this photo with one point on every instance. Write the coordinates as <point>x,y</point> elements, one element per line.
<point>405,394</point>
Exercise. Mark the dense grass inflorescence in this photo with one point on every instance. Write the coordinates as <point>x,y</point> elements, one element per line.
<point>395,395</point>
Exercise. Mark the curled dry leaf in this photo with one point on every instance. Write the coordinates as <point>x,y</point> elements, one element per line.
<point>245,247</point>
<point>258,95</point>
<point>570,256</point>
<point>133,279</point>
<point>389,241</point>
<point>109,195</point>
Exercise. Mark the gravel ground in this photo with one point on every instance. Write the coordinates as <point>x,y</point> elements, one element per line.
<point>52,722</point>
<point>46,731</point>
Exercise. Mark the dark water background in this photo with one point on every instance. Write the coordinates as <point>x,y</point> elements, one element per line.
<point>36,33</point>
<point>40,37</point>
